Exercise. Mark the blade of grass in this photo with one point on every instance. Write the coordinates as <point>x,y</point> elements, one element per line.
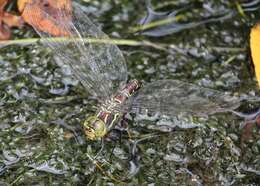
<point>127,42</point>
<point>156,24</point>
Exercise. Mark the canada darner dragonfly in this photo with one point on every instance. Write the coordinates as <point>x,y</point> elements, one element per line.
<point>101,69</point>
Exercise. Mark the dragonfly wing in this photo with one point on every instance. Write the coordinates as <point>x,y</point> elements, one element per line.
<point>174,97</point>
<point>99,66</point>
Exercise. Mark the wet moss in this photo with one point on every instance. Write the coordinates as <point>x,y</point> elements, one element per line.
<point>42,109</point>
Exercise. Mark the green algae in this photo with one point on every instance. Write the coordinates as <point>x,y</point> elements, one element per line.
<point>41,137</point>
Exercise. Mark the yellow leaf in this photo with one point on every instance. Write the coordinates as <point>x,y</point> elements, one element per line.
<point>255,49</point>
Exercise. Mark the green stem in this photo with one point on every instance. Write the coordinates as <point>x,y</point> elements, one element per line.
<point>127,42</point>
<point>156,23</point>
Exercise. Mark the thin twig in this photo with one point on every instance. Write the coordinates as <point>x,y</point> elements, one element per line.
<point>128,42</point>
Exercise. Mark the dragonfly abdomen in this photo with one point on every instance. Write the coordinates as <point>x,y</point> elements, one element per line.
<point>109,112</point>
<point>127,91</point>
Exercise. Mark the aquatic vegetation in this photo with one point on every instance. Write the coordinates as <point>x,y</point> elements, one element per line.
<point>158,24</point>
<point>101,69</point>
<point>42,107</point>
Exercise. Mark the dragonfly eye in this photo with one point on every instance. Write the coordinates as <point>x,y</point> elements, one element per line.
<point>94,128</point>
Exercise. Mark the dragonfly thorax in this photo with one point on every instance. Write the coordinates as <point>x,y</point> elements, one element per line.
<point>97,126</point>
<point>110,105</point>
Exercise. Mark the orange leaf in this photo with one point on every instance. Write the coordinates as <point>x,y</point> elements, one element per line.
<point>40,19</point>
<point>5,32</point>
<point>7,20</point>
<point>51,3</point>
<point>255,49</point>
<point>12,20</point>
<point>21,4</point>
<point>2,4</point>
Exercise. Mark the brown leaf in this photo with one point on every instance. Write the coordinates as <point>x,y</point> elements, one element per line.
<point>7,20</point>
<point>21,4</point>
<point>2,4</point>
<point>12,20</point>
<point>41,9</point>
<point>5,32</point>
<point>51,3</point>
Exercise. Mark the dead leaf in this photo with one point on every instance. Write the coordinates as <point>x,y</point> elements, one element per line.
<point>51,3</point>
<point>41,20</point>
<point>5,32</point>
<point>255,50</point>
<point>12,20</point>
<point>3,3</point>
<point>21,4</point>
<point>7,20</point>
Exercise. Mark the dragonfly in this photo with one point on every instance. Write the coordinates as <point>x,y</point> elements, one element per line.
<point>101,68</point>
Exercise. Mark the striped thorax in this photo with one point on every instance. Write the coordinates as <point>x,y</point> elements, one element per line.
<point>98,125</point>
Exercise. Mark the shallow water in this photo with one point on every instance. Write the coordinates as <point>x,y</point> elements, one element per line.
<point>42,108</point>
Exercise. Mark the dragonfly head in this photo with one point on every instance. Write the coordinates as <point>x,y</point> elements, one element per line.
<point>94,128</point>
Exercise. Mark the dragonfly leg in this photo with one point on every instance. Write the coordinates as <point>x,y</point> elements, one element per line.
<point>124,124</point>
<point>134,163</point>
<point>101,149</point>
<point>116,133</point>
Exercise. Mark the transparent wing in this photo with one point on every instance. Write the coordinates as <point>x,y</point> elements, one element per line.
<point>173,97</point>
<point>99,66</point>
